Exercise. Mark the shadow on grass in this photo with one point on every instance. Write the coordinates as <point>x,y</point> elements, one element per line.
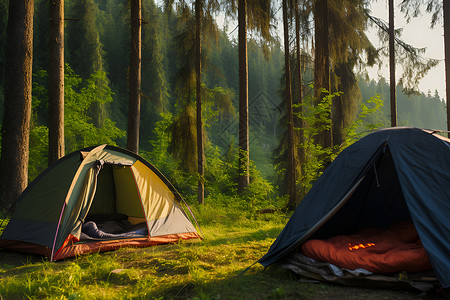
<point>277,283</point>
<point>15,259</point>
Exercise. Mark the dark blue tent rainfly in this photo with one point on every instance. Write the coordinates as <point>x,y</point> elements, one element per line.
<point>396,174</point>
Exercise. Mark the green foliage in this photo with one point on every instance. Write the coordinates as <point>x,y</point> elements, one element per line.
<point>168,164</point>
<point>40,35</point>
<point>218,103</point>
<point>38,151</point>
<point>220,171</point>
<point>3,222</point>
<point>183,138</point>
<point>79,131</point>
<point>38,130</point>
<point>362,125</point>
<point>418,110</point>
<point>317,119</point>
<point>79,96</point>
<point>158,153</point>
<point>84,51</point>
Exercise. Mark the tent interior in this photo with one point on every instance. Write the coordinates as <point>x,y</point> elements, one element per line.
<point>116,210</point>
<point>376,206</point>
<point>377,202</point>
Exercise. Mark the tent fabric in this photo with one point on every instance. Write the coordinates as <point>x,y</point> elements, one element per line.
<point>392,175</point>
<point>107,180</point>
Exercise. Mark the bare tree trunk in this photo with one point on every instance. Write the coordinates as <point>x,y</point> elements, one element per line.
<point>392,65</point>
<point>134,107</point>
<point>198,67</point>
<point>56,148</point>
<point>322,62</point>
<point>301,151</point>
<point>244,159</point>
<point>446,4</point>
<point>290,170</point>
<point>17,111</point>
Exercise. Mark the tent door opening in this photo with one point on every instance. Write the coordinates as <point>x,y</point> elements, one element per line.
<point>378,202</point>
<point>116,211</point>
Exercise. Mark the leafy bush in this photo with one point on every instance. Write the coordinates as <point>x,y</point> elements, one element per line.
<point>79,129</point>
<point>79,96</point>
<point>316,117</point>
<point>220,172</point>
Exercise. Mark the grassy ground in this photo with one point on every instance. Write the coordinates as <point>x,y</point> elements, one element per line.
<point>206,269</point>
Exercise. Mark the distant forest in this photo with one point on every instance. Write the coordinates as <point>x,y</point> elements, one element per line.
<point>97,51</point>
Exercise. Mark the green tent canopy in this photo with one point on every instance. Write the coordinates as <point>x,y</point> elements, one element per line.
<point>90,187</point>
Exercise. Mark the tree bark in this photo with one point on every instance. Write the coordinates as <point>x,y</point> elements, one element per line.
<point>198,69</point>
<point>290,170</point>
<point>322,62</point>
<point>135,78</point>
<point>56,148</point>
<point>244,159</point>
<point>17,111</point>
<point>446,5</point>
<point>301,150</point>
<point>392,83</point>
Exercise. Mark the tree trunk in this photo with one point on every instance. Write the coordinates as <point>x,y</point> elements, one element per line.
<point>322,62</point>
<point>198,70</point>
<point>56,82</point>
<point>392,65</point>
<point>301,150</point>
<point>290,170</point>
<point>446,5</point>
<point>135,78</point>
<point>17,111</point>
<point>244,159</point>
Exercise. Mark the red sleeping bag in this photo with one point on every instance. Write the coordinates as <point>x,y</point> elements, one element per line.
<point>380,251</point>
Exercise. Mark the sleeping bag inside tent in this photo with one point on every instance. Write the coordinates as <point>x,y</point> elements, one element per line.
<point>96,199</point>
<point>382,207</point>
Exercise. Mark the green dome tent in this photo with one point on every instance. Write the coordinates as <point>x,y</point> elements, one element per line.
<point>96,186</point>
<point>392,175</point>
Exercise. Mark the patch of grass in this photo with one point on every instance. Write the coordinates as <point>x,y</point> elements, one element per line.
<point>235,238</point>
<point>3,222</point>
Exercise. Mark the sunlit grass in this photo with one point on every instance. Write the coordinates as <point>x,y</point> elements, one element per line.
<point>207,269</point>
<point>233,241</point>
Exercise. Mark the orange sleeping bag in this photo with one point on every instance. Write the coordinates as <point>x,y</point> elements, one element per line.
<point>380,251</point>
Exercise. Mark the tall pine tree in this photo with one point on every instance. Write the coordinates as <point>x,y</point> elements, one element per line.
<point>134,106</point>
<point>291,149</point>
<point>56,148</point>
<point>17,110</point>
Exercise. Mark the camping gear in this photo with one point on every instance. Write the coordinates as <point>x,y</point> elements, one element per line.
<point>96,199</point>
<point>391,175</point>
<point>393,250</point>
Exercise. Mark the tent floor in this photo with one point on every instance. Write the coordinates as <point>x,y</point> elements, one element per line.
<point>313,271</point>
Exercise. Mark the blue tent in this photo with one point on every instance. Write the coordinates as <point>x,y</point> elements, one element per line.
<point>392,175</point>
